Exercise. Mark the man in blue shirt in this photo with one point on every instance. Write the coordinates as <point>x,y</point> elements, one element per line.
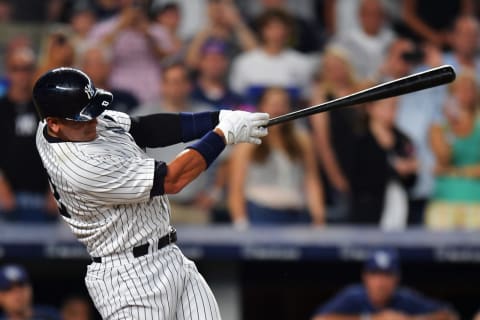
<point>380,297</point>
<point>16,297</point>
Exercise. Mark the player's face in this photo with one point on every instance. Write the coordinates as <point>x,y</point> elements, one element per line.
<point>77,131</point>
<point>380,287</point>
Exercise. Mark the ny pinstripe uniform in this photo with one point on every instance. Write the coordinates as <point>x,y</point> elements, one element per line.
<point>112,195</point>
<point>103,190</point>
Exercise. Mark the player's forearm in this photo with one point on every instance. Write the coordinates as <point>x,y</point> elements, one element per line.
<point>184,169</point>
<point>191,162</point>
<point>164,129</point>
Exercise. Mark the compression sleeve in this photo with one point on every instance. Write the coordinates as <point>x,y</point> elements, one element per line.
<point>158,179</point>
<point>165,129</point>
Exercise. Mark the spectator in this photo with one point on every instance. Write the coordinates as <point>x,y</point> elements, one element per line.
<point>384,167</point>
<point>211,87</point>
<point>16,297</point>
<point>370,41</point>
<point>342,16</point>
<point>456,199</point>
<point>24,191</point>
<point>464,42</point>
<point>168,15</point>
<point>477,316</point>
<point>306,9</point>
<point>334,132</point>
<point>421,23</point>
<point>276,182</point>
<point>401,60</point>
<point>225,24</point>
<point>5,11</point>
<point>137,47</point>
<point>381,297</point>
<point>17,42</point>
<point>194,203</point>
<point>57,52</point>
<point>273,63</point>
<point>305,37</point>
<point>96,62</point>
<point>106,9</point>
<point>76,308</point>
<point>82,19</point>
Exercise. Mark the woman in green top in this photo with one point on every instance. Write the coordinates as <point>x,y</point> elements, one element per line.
<point>456,145</point>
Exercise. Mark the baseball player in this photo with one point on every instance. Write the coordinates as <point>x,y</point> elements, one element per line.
<point>113,196</point>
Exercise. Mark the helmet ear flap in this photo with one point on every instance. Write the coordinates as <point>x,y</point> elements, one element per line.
<point>100,101</point>
<point>103,98</point>
<point>70,94</point>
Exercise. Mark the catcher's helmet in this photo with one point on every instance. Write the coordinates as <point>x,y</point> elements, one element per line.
<point>70,94</point>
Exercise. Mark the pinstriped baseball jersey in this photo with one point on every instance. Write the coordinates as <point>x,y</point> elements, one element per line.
<point>103,187</point>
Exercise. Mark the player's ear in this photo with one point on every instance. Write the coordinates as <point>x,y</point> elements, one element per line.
<point>53,124</point>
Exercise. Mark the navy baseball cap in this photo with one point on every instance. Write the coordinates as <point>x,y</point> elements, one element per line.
<point>383,260</point>
<point>12,274</point>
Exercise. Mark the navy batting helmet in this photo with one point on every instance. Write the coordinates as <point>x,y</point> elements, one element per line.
<point>70,94</point>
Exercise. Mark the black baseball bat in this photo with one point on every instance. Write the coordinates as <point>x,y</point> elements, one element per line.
<point>415,82</point>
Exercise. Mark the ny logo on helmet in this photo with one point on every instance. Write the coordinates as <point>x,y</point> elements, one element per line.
<point>89,91</point>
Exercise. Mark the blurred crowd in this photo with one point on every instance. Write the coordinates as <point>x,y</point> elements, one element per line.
<point>407,161</point>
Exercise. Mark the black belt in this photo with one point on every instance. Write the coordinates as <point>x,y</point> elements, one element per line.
<point>142,249</point>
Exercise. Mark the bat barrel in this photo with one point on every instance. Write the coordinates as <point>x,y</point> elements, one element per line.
<point>416,82</point>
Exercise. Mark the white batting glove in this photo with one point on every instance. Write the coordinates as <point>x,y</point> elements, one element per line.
<point>242,126</point>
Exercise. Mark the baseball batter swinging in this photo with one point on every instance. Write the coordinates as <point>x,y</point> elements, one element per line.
<point>113,196</point>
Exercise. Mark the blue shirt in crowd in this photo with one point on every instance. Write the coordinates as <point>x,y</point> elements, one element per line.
<point>354,301</point>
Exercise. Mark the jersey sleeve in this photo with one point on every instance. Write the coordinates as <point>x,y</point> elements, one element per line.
<point>117,118</point>
<point>116,180</point>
